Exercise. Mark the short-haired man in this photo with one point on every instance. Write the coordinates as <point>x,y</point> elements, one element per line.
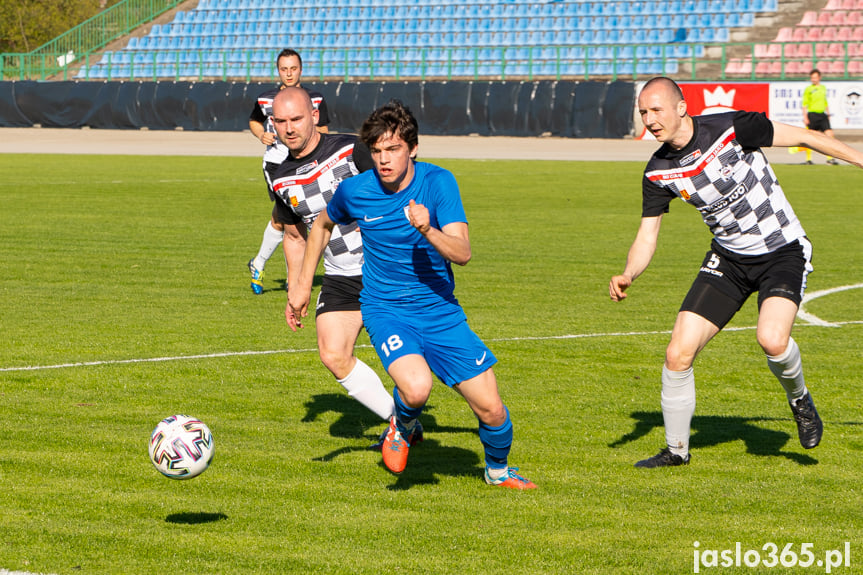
<point>816,111</point>
<point>303,183</point>
<point>715,163</point>
<point>413,226</point>
<point>282,227</point>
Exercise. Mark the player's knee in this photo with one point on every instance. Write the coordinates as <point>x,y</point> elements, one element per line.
<point>679,358</point>
<point>338,362</point>
<point>414,395</point>
<point>773,342</point>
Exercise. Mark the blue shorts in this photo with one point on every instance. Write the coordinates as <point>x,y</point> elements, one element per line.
<point>452,350</point>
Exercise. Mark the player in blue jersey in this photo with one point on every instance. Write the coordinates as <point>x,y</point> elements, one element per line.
<point>715,163</point>
<point>413,227</point>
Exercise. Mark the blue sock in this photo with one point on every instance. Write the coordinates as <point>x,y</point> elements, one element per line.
<point>403,412</point>
<point>497,442</point>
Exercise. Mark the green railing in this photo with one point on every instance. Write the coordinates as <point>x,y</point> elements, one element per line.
<point>695,62</point>
<point>53,58</point>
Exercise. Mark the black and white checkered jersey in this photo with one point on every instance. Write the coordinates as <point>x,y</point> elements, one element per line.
<point>725,175</point>
<point>262,112</point>
<point>308,184</point>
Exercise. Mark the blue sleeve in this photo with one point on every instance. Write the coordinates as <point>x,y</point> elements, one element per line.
<point>449,207</point>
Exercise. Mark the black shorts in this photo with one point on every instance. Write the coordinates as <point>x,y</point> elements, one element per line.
<point>818,121</point>
<point>339,293</point>
<point>726,280</point>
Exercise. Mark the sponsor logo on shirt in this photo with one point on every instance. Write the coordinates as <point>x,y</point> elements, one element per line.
<point>686,160</point>
<point>307,168</point>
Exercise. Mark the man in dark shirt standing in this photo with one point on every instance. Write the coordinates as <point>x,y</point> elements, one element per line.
<point>282,226</point>
<point>716,164</point>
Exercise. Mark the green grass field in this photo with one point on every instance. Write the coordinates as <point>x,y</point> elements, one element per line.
<point>124,298</point>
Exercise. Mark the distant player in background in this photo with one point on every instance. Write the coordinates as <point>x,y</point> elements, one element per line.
<point>715,163</point>
<point>282,229</point>
<point>303,184</point>
<point>816,111</point>
<point>413,226</point>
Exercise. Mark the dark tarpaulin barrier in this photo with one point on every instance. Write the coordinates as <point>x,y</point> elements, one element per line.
<point>564,108</point>
<point>11,116</point>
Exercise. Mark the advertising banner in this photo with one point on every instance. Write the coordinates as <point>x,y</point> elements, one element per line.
<point>843,98</point>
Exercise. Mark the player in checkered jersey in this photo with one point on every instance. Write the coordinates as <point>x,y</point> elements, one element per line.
<point>715,163</point>
<point>303,184</point>
<point>281,229</point>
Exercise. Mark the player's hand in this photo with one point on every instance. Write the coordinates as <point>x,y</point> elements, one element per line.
<point>419,218</point>
<point>292,319</point>
<point>296,309</point>
<point>617,287</point>
<point>268,138</point>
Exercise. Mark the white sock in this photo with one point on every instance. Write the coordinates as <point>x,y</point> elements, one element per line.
<point>272,240</point>
<point>364,385</point>
<point>494,473</point>
<point>678,406</point>
<point>788,369</point>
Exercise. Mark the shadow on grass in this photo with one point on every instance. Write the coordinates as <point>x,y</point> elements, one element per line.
<point>428,458</point>
<point>192,518</point>
<point>714,430</point>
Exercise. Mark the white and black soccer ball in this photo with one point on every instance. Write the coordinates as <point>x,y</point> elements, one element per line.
<point>181,447</point>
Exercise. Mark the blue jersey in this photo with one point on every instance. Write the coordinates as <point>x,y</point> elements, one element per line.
<point>401,267</point>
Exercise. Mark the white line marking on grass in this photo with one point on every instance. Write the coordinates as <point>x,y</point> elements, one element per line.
<point>808,317</point>
<point>801,314</point>
<point>155,359</point>
<point>314,350</point>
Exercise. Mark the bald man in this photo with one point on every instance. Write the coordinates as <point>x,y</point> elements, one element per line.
<point>715,163</point>
<point>304,183</point>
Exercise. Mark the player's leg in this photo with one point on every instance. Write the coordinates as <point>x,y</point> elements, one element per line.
<point>400,348</point>
<point>707,308</point>
<point>273,236</point>
<point>690,335</point>
<point>830,159</point>
<point>337,333</point>
<point>413,380</point>
<point>786,276</point>
<point>495,429</point>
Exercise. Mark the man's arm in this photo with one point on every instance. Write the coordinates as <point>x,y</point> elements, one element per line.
<point>785,135</point>
<point>640,254</point>
<point>258,130</point>
<point>452,241</point>
<point>301,292</point>
<point>294,246</point>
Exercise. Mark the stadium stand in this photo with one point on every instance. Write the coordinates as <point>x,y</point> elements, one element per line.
<point>828,39</point>
<point>377,39</point>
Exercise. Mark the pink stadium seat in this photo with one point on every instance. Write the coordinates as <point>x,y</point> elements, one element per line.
<point>854,18</point>
<point>855,67</point>
<point>837,50</point>
<point>803,51</point>
<point>858,34</point>
<point>844,33</point>
<point>768,51</point>
<point>855,50</point>
<point>815,33</point>
<point>810,18</point>
<point>829,33</point>
<point>824,19</point>
<point>732,68</point>
<point>833,5</point>
<point>784,35</point>
<point>800,34</point>
<point>840,18</point>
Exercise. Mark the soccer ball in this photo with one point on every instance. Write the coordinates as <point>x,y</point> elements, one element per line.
<point>181,447</point>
